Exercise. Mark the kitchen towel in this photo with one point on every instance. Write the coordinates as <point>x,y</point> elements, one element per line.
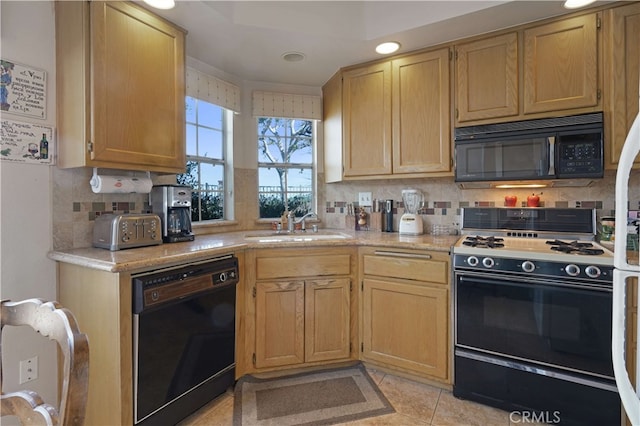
<point>120,184</point>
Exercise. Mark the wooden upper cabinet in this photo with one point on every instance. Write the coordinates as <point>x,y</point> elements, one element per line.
<point>121,88</point>
<point>622,77</point>
<point>366,112</point>
<point>396,119</point>
<point>487,78</point>
<point>332,125</point>
<point>421,113</point>
<point>561,65</point>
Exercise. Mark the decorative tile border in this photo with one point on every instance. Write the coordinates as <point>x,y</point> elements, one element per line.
<point>95,209</point>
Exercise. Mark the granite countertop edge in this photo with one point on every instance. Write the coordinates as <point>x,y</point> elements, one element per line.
<point>212,245</point>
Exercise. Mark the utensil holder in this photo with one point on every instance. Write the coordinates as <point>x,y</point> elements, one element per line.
<point>350,222</point>
<point>375,221</point>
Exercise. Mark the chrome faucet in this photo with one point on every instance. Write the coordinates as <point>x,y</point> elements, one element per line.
<point>303,218</point>
<point>291,221</point>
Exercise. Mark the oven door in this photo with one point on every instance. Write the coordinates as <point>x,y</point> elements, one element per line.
<point>566,326</point>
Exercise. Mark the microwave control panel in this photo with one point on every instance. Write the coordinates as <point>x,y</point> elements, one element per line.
<point>582,158</point>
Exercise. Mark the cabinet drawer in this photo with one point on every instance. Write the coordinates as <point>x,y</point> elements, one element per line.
<point>302,266</point>
<point>420,267</point>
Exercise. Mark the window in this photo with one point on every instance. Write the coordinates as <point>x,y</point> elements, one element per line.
<point>207,168</point>
<point>285,166</point>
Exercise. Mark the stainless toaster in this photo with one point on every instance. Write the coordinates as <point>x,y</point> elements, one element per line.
<point>121,231</point>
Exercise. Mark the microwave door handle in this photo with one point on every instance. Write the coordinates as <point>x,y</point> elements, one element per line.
<point>552,155</point>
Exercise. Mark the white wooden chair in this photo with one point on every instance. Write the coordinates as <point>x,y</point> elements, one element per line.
<point>56,323</point>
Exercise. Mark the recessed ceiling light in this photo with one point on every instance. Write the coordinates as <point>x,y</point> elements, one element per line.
<point>574,4</point>
<point>161,4</point>
<point>388,47</point>
<point>293,56</point>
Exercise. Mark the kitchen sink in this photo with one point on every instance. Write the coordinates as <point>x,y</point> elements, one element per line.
<point>298,236</point>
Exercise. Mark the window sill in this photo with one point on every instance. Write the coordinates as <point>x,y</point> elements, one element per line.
<point>202,228</point>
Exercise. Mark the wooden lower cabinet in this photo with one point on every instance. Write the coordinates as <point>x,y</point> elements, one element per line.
<point>406,326</point>
<point>327,319</point>
<point>101,303</point>
<point>405,312</point>
<point>302,321</point>
<point>300,310</point>
<point>279,323</point>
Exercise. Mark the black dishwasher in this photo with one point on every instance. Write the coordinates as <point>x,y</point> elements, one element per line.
<point>183,338</point>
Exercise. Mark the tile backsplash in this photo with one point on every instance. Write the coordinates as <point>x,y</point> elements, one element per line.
<point>443,198</point>
<point>75,206</point>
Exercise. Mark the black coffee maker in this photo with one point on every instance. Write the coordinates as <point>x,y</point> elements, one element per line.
<point>173,204</point>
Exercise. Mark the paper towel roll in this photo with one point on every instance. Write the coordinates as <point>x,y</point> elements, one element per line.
<point>120,184</point>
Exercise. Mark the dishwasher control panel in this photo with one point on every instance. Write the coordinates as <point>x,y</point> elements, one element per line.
<point>157,287</point>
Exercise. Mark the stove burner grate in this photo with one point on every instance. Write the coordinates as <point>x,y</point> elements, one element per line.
<point>575,247</point>
<point>484,242</point>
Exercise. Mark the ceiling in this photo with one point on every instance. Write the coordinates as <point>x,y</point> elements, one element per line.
<point>248,38</point>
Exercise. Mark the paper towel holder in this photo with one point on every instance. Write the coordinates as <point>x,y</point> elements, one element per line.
<point>95,175</point>
<point>96,181</point>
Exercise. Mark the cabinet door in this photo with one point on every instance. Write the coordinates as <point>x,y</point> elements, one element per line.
<point>327,319</point>
<point>487,78</point>
<point>561,65</point>
<point>421,113</point>
<point>405,325</point>
<point>622,76</point>
<point>279,323</point>
<point>366,98</point>
<point>138,94</point>
<point>332,125</point>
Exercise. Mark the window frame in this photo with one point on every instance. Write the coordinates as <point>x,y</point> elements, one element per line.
<point>290,166</point>
<point>226,162</point>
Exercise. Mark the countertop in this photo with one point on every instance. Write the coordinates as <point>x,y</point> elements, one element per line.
<point>211,245</point>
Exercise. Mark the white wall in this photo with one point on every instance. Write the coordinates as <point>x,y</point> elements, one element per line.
<point>26,36</point>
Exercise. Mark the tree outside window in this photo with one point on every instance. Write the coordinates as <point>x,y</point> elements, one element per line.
<point>285,166</point>
<point>205,169</point>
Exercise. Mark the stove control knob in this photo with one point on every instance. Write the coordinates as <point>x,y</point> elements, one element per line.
<point>528,266</point>
<point>592,271</point>
<point>472,261</point>
<point>573,270</point>
<point>488,262</point>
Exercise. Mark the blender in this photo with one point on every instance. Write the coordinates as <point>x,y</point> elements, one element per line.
<point>411,221</point>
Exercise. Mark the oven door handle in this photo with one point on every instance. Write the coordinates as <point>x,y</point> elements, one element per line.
<point>509,281</point>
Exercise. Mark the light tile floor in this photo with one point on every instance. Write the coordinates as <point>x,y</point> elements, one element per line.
<point>415,404</point>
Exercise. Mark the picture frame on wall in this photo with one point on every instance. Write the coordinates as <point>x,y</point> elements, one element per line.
<point>23,90</point>
<point>22,142</point>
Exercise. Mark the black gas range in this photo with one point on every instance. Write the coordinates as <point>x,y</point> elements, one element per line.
<point>548,256</point>
<point>532,314</point>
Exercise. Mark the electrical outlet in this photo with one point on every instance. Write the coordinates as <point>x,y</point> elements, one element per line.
<point>28,369</point>
<point>364,199</point>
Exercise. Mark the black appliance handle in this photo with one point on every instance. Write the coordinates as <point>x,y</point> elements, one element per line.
<point>551,140</point>
<point>512,281</point>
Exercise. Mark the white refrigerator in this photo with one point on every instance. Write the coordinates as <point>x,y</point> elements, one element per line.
<point>622,273</point>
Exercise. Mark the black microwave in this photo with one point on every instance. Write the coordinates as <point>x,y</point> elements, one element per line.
<point>554,148</point>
